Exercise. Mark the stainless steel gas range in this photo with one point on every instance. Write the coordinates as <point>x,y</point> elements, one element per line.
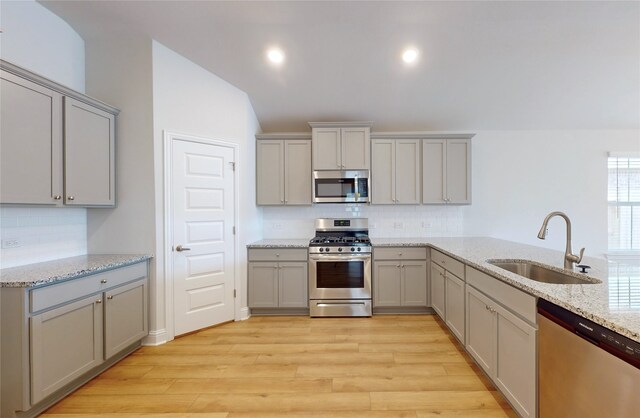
<point>340,268</point>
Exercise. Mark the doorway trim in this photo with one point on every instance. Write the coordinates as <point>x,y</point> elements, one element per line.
<point>168,139</point>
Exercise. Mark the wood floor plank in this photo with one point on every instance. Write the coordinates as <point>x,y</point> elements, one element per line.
<point>370,370</point>
<point>208,372</point>
<point>406,348</point>
<point>325,358</point>
<point>477,413</point>
<point>188,359</point>
<point>408,384</point>
<point>250,385</point>
<point>137,415</point>
<point>325,414</point>
<point>434,400</point>
<point>173,349</point>
<point>122,371</point>
<point>102,386</point>
<point>281,402</point>
<point>98,404</point>
<point>403,338</point>
<point>295,348</point>
<point>277,339</point>
<point>451,356</point>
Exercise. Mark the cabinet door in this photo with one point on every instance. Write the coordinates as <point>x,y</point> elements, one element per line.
<point>383,171</point>
<point>433,171</point>
<point>386,279</point>
<point>292,285</point>
<point>458,172</point>
<point>297,172</point>
<point>125,317</point>
<point>481,330</point>
<point>30,142</point>
<point>89,155</point>
<point>327,152</point>
<point>414,283</point>
<point>263,285</point>
<point>515,371</point>
<point>407,171</point>
<point>66,342</point>
<point>437,290</point>
<point>270,172</point>
<point>454,305</point>
<point>355,148</point>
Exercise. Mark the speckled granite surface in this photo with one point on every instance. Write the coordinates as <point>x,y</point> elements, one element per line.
<point>614,303</point>
<point>280,243</point>
<point>33,275</point>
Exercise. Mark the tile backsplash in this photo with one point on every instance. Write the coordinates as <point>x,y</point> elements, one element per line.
<point>384,221</point>
<point>34,234</point>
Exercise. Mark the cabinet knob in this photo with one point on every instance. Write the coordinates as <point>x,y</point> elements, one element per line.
<point>110,297</point>
<point>57,197</point>
<point>277,255</point>
<point>398,266</point>
<point>71,198</point>
<point>99,301</point>
<point>103,281</point>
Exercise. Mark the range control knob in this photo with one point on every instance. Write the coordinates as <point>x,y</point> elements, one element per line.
<point>321,249</point>
<point>327,249</point>
<point>340,249</point>
<point>359,248</point>
<point>353,249</point>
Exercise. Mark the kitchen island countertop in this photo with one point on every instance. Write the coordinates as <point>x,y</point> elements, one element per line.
<point>49,272</point>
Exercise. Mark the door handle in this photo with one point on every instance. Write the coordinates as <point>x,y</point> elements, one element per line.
<point>180,248</point>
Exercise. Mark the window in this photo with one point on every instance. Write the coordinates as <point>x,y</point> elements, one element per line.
<point>624,203</point>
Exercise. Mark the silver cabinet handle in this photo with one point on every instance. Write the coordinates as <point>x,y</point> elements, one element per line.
<point>71,198</point>
<point>180,248</point>
<point>103,281</point>
<point>99,301</point>
<point>57,197</point>
<point>398,266</point>
<point>109,297</point>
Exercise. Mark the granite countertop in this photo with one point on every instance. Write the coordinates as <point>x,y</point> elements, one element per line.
<point>614,303</point>
<point>280,243</point>
<point>48,272</point>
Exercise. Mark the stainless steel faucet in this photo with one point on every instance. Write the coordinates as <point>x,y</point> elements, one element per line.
<point>569,258</point>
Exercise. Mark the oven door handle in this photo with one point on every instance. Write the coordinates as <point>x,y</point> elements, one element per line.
<point>344,257</point>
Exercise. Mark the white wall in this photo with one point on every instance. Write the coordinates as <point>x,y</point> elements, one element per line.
<point>35,38</point>
<point>191,100</point>
<point>54,51</point>
<point>521,176</point>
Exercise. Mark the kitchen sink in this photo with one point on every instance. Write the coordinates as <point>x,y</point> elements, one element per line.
<point>540,273</point>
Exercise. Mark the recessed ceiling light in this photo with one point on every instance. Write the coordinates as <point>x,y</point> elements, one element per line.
<point>410,55</point>
<point>275,55</point>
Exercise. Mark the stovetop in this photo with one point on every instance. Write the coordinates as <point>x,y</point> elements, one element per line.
<point>344,241</point>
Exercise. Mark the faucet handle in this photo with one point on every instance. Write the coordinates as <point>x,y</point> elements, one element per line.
<point>581,255</point>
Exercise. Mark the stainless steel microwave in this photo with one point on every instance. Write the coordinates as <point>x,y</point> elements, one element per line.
<point>341,186</point>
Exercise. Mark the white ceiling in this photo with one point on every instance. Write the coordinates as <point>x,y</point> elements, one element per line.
<point>483,65</point>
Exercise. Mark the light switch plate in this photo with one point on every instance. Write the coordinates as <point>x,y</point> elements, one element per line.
<point>11,243</point>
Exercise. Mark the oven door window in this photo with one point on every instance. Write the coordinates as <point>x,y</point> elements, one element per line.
<point>335,187</point>
<point>340,274</point>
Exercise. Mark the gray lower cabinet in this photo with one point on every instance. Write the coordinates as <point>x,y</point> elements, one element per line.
<point>69,136</point>
<point>454,305</point>
<point>56,337</point>
<point>400,277</point>
<point>277,278</point>
<point>504,346</point>
<point>438,289</point>
<point>65,343</point>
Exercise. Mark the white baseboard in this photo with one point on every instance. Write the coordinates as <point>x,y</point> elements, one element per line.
<point>156,337</point>
<point>245,313</point>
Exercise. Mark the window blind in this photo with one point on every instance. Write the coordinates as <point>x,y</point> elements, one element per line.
<point>623,196</point>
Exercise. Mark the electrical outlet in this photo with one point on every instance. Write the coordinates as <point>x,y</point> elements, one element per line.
<point>426,225</point>
<point>11,243</point>
<point>277,225</point>
<point>398,225</point>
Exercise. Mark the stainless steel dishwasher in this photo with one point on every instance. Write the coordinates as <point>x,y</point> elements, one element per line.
<point>585,370</point>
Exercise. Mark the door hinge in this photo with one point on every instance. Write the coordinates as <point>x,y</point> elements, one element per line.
<point>235,293</point>
<point>233,165</point>
<point>233,230</point>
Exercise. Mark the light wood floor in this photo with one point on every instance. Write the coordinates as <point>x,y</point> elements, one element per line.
<point>386,366</point>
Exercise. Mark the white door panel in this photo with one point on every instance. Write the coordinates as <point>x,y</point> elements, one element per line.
<point>203,221</point>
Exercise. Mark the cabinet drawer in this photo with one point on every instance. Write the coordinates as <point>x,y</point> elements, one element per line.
<point>400,253</point>
<point>278,254</point>
<point>50,296</point>
<point>448,263</point>
<point>514,299</point>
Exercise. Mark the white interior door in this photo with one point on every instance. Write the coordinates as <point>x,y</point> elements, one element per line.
<point>203,199</point>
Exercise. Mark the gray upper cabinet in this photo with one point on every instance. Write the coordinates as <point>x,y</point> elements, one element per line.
<point>30,142</point>
<point>41,118</point>
<point>446,174</point>
<point>89,155</point>
<point>283,172</point>
<point>340,146</point>
<point>395,171</point>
